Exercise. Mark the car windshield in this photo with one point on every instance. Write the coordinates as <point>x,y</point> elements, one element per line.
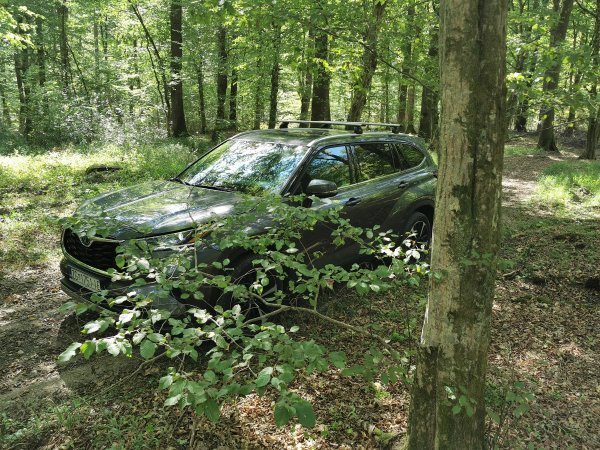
<point>246,166</point>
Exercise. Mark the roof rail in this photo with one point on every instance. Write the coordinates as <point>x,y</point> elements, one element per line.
<point>356,126</point>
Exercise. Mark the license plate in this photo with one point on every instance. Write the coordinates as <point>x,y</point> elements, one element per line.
<point>85,280</point>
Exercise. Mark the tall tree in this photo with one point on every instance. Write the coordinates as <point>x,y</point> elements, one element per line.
<point>320,106</point>
<point>452,355</point>
<point>222,63</point>
<point>362,83</point>
<point>63,14</point>
<point>177,118</point>
<point>593,131</point>
<point>201,100</point>
<point>547,139</point>
<point>428,120</point>
<point>275,72</point>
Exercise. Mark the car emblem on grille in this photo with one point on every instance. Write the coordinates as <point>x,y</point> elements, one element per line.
<point>85,241</point>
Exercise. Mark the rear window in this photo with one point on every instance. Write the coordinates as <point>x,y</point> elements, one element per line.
<point>412,156</point>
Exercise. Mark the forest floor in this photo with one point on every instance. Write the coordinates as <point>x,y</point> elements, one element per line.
<point>545,340</point>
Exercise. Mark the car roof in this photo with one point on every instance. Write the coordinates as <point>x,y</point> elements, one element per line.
<point>322,136</point>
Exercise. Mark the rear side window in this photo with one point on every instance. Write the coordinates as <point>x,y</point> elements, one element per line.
<point>412,156</point>
<point>331,164</point>
<point>374,160</point>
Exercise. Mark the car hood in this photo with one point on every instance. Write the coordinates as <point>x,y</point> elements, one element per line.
<point>159,207</point>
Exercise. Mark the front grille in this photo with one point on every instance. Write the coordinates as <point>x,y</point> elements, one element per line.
<point>99,254</point>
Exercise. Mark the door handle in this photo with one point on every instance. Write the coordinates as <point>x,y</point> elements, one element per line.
<point>352,201</point>
<point>402,185</point>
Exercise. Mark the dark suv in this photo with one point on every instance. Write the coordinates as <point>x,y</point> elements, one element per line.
<point>379,178</point>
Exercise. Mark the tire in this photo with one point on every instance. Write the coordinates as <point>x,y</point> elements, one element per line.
<point>418,231</point>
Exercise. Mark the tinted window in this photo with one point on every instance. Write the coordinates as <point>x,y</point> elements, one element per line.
<point>374,160</point>
<point>411,155</point>
<point>331,164</point>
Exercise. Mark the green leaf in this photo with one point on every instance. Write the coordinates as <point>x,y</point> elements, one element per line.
<point>338,359</point>
<point>305,413</point>
<point>264,376</point>
<point>456,409</point>
<point>171,401</point>
<point>120,261</point>
<point>212,410</point>
<point>282,414</point>
<point>147,349</point>
<point>494,416</point>
<point>165,382</point>
<point>69,352</point>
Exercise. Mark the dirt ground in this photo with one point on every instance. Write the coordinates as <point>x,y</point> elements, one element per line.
<point>545,333</point>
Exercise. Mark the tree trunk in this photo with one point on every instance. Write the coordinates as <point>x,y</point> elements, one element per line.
<point>362,85</point>
<point>547,140</point>
<point>177,118</point>
<point>402,97</point>
<point>320,109</point>
<point>21,58</point>
<point>428,121</point>
<point>41,62</point>
<point>221,75</point>
<point>452,355</point>
<point>63,14</point>
<point>305,79</point>
<point>5,111</point>
<point>593,131</point>
<point>410,111</point>
<point>275,70</point>
<point>258,100</point>
<point>233,91</point>
<point>201,101</point>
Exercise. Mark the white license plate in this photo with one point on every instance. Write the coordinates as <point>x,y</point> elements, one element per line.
<point>85,280</point>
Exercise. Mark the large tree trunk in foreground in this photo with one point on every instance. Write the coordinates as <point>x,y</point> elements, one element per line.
<point>177,119</point>
<point>456,333</point>
<point>547,139</point>
<point>362,85</point>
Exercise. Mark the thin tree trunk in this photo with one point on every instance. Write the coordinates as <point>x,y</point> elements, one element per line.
<point>305,77</point>
<point>547,139</point>
<point>320,108</point>
<point>177,118</point>
<point>452,355</point>
<point>233,92</point>
<point>362,85</point>
<point>258,104</point>
<point>275,69</point>
<point>593,131</point>
<point>410,111</point>
<point>5,111</point>
<point>41,62</point>
<point>428,121</point>
<point>201,101</point>
<point>159,61</point>
<point>96,49</point>
<point>63,14</point>
<point>221,75</point>
<point>402,97</point>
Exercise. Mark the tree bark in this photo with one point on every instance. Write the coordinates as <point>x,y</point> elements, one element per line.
<point>201,101</point>
<point>41,61</point>
<point>177,118</point>
<point>362,85</point>
<point>320,109</point>
<point>5,111</point>
<point>305,76</point>
<point>233,91</point>
<point>275,70</point>
<point>452,355</point>
<point>428,121</point>
<point>221,75</point>
<point>21,58</point>
<point>547,139</point>
<point>593,131</point>
<point>63,14</point>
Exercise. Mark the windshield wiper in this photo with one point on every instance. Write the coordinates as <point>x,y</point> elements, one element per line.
<point>215,188</point>
<point>179,180</point>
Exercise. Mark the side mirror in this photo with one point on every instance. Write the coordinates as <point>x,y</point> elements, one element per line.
<point>321,188</point>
